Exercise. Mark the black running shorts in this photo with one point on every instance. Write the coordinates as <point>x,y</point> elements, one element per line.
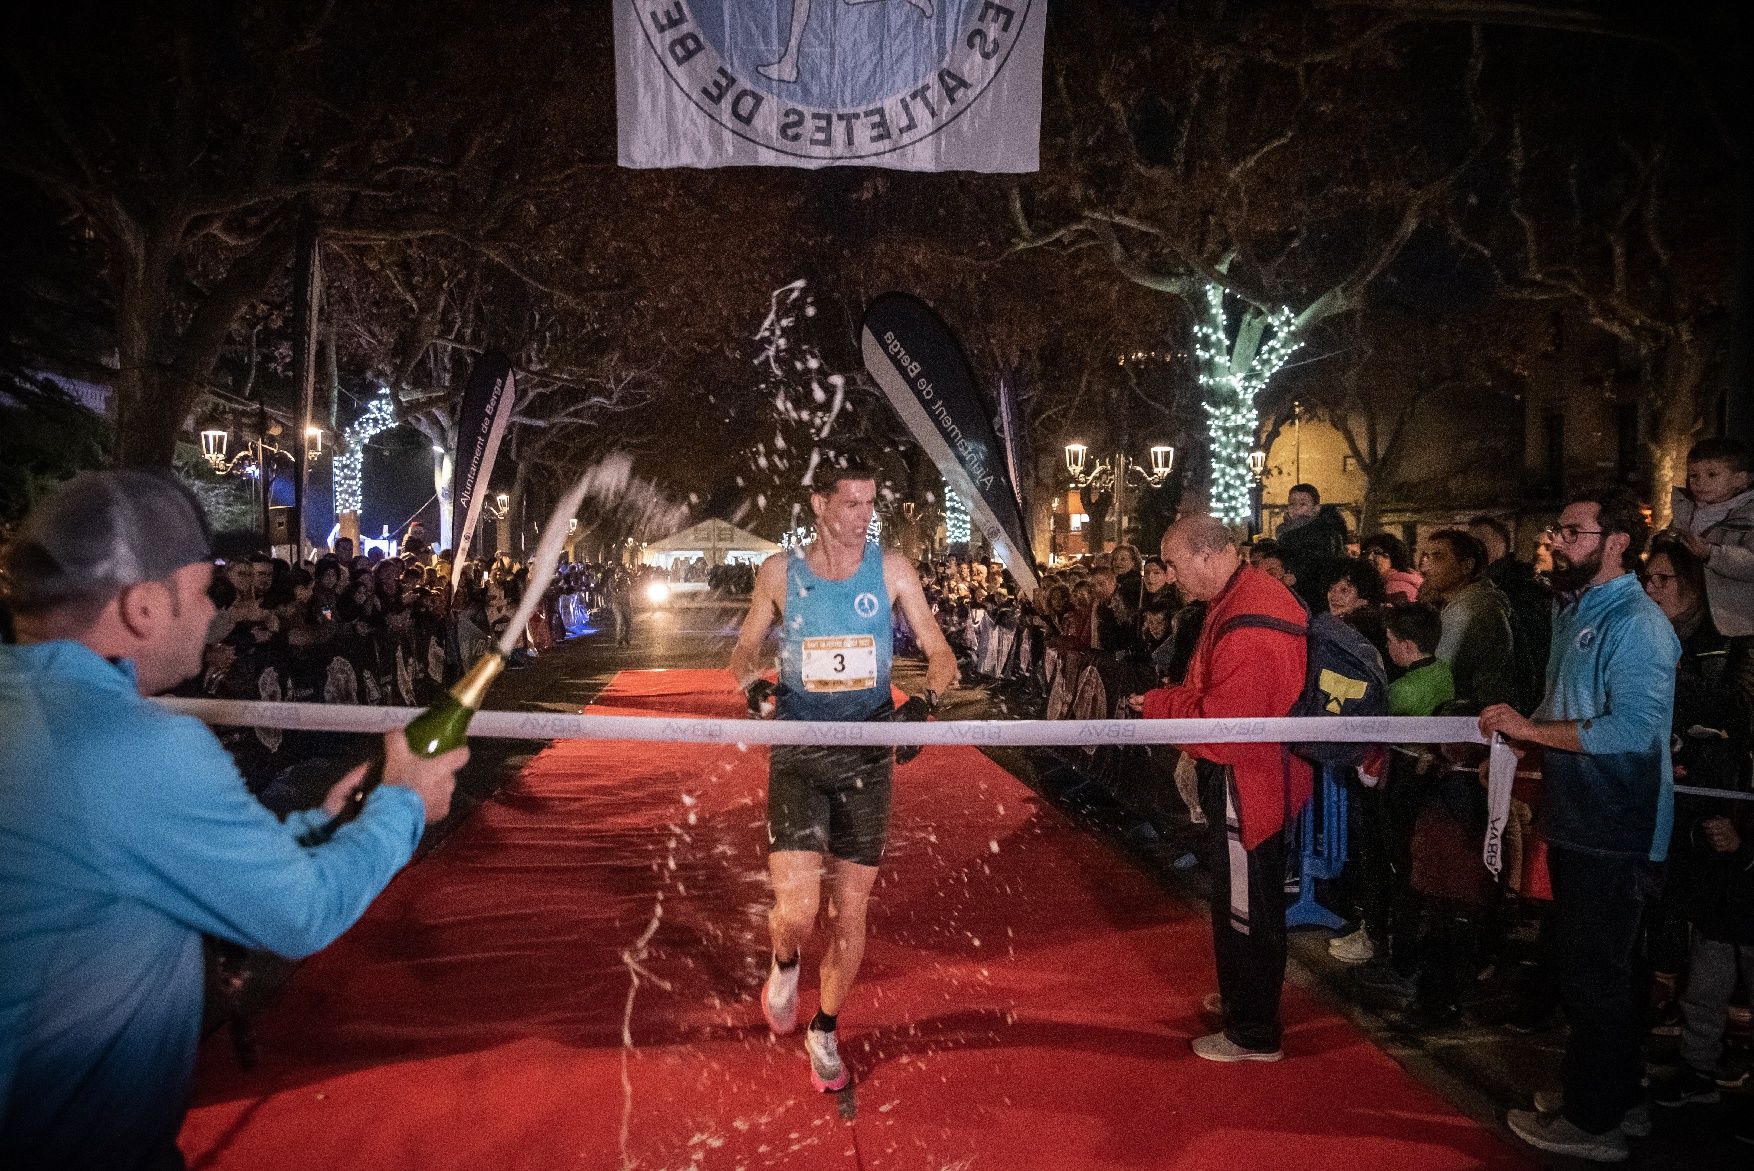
<point>833,799</point>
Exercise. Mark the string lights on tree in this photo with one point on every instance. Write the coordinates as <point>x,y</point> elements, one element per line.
<point>956,523</point>
<point>1232,376</point>
<point>379,416</point>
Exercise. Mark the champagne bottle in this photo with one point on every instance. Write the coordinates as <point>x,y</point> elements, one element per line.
<point>445,725</point>
<point>435,731</point>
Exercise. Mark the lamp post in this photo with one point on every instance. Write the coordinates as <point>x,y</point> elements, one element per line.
<point>502,525</point>
<point>253,460</point>
<point>912,542</point>
<point>1258,469</point>
<point>214,441</point>
<point>1112,473</point>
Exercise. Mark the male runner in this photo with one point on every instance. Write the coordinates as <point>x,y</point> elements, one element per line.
<point>833,599</point>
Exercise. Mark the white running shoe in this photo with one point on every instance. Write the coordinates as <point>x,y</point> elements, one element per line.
<point>1554,1134</point>
<point>1636,1124</point>
<point>779,999</point>
<point>1355,948</point>
<point>1218,1047</point>
<point>827,1071</point>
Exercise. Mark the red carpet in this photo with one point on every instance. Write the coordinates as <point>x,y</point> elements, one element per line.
<point>1025,1003</point>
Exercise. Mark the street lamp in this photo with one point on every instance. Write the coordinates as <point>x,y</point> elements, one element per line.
<point>1258,463</point>
<point>213,444</point>
<point>1113,472</point>
<point>1117,467</point>
<point>253,461</point>
<point>314,440</point>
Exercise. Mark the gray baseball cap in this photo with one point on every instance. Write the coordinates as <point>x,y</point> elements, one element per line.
<point>101,531</point>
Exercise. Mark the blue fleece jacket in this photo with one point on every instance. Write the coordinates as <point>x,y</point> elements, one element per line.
<point>1612,669</point>
<point>125,834</point>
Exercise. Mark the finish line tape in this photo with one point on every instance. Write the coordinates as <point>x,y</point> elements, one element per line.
<point>320,717</point>
<point>1723,794</point>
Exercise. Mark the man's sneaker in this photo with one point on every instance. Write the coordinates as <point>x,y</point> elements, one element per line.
<point>1636,1124</point>
<point>1689,1087</point>
<point>827,1071</point>
<point>1355,948</point>
<point>1218,1047</point>
<point>1554,1134</point>
<point>779,999</point>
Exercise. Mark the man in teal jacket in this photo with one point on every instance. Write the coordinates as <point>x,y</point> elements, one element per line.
<point>126,832</point>
<point>1607,804</point>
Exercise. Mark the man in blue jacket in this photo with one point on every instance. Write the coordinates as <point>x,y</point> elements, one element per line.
<point>126,832</point>
<point>1607,805</point>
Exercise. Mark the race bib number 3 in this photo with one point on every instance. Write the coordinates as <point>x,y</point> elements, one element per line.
<point>840,663</point>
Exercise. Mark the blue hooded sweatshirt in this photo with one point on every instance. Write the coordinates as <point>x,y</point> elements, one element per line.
<point>125,834</point>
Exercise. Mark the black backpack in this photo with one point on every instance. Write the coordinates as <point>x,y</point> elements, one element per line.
<point>1343,676</point>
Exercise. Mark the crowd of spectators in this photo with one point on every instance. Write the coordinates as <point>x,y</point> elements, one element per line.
<point>727,578</point>
<point>374,629</point>
<point>1461,623</point>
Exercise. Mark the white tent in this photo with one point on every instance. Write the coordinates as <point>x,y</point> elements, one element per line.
<point>717,542</point>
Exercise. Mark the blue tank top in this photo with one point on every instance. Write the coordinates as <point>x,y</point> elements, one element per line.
<point>835,642</point>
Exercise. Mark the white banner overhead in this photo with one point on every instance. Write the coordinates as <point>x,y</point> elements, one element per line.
<point>914,85</point>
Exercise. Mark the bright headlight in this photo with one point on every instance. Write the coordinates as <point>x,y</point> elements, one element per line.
<point>657,593</point>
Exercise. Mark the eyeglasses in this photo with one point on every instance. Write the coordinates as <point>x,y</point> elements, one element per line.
<point>1566,534</point>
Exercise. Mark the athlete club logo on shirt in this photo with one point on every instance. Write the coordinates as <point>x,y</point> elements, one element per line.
<point>865,605</point>
<point>833,79</point>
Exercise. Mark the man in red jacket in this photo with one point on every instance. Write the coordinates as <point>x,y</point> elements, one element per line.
<point>1240,670</point>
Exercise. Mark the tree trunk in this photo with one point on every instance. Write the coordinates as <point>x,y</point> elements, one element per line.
<point>514,523</point>
<point>349,525</point>
<point>1368,506</point>
<point>1677,406</point>
<point>155,394</point>
<point>442,471</point>
<point>145,436</point>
